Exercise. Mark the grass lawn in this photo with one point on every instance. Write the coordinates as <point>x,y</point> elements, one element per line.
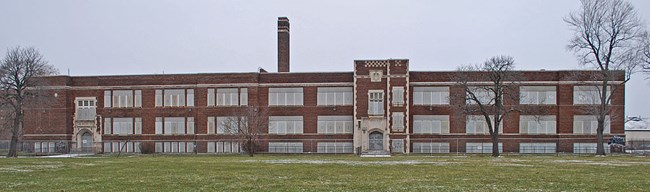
<point>326,173</point>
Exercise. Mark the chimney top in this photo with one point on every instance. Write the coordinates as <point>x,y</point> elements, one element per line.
<point>283,44</point>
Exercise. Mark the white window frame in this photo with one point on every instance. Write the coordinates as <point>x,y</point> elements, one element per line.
<point>398,96</point>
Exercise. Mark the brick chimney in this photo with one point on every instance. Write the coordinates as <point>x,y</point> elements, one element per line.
<point>283,44</point>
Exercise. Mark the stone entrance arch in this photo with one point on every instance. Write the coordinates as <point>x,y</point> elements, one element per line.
<point>85,141</point>
<point>376,141</point>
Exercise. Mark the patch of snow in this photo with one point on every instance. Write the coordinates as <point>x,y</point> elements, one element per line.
<point>361,163</point>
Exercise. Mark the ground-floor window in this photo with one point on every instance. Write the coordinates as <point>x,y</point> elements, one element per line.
<point>44,147</point>
<point>587,148</point>
<point>125,147</point>
<point>537,148</point>
<point>175,147</point>
<point>223,147</point>
<point>285,147</point>
<point>430,147</point>
<point>335,147</point>
<point>481,148</point>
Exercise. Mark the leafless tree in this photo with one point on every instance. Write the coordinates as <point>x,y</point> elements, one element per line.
<point>247,125</point>
<point>607,36</point>
<point>485,87</point>
<point>19,72</point>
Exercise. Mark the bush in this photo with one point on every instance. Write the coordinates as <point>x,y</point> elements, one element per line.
<point>147,147</point>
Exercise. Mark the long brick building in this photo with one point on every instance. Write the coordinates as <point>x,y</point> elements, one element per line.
<point>380,106</point>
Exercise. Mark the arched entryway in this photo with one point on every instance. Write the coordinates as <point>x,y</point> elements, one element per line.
<point>85,141</point>
<point>376,141</point>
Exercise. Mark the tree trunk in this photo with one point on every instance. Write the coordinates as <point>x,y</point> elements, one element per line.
<point>251,148</point>
<point>495,144</point>
<point>15,131</point>
<point>600,150</point>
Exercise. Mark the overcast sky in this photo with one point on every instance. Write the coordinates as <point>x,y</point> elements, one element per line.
<point>145,37</point>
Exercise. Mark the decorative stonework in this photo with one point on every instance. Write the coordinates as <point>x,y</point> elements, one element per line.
<point>382,63</point>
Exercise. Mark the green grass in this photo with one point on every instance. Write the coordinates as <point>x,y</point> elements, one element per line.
<point>326,173</point>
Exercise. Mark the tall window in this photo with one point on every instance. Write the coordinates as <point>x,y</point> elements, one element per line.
<point>430,95</point>
<point>545,124</point>
<point>174,97</point>
<point>283,125</point>
<point>588,95</point>
<point>228,97</point>
<point>397,121</point>
<point>123,126</point>
<point>587,124</point>
<point>431,124</point>
<point>335,124</point>
<point>375,102</point>
<point>538,95</point>
<point>476,125</point>
<point>398,96</point>
<point>174,125</point>
<point>285,96</point>
<point>86,109</point>
<point>329,96</point>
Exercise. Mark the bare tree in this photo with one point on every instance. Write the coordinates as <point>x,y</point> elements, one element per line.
<point>19,72</point>
<point>485,87</point>
<point>607,37</point>
<point>247,125</point>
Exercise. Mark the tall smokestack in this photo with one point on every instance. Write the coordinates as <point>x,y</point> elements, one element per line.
<point>283,44</point>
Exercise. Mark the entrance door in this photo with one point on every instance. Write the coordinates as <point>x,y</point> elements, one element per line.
<point>86,140</point>
<point>376,141</point>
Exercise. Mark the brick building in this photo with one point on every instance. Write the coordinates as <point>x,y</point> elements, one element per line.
<point>381,106</point>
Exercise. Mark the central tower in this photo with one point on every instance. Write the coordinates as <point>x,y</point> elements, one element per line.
<point>381,106</point>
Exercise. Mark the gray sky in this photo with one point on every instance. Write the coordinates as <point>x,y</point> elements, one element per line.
<point>152,36</point>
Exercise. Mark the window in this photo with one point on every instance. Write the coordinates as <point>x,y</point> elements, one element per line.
<point>122,126</point>
<point>86,109</point>
<point>589,95</point>
<point>537,95</point>
<point>537,147</point>
<point>483,95</point>
<point>430,147</point>
<point>430,95</point>
<point>285,147</point>
<point>138,125</point>
<point>398,96</point>
<point>285,125</point>
<point>138,98</point>
<point>224,147</point>
<point>211,125</point>
<point>175,147</point>
<point>476,125</point>
<point>431,124</point>
<point>122,98</point>
<point>529,124</point>
<point>44,147</point>
<point>398,121</point>
<point>108,126</point>
<point>228,97</point>
<point>121,146</point>
<point>375,103</point>
<point>285,96</point>
<point>229,125</point>
<point>329,96</point>
<point>174,97</point>
<point>174,125</point>
<point>588,148</point>
<point>335,124</point>
<point>335,147</point>
<point>588,125</point>
<point>481,148</point>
